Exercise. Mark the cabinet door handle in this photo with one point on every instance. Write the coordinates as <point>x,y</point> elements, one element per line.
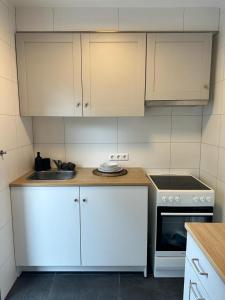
<point>84,200</point>
<point>76,200</point>
<point>78,104</point>
<point>195,291</point>
<point>86,104</point>
<point>197,268</point>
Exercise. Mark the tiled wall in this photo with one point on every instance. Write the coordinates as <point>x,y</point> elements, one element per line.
<point>212,168</point>
<point>118,18</point>
<point>15,138</point>
<point>165,140</point>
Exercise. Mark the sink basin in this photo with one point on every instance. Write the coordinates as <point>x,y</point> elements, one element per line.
<point>52,175</point>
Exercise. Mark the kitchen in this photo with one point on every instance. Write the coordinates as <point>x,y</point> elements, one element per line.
<point>136,83</point>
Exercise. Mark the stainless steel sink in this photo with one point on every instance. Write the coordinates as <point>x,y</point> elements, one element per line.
<point>52,175</point>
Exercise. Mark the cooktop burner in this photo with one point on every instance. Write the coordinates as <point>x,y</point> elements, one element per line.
<point>177,182</point>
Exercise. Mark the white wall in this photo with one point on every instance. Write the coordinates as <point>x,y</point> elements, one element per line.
<point>15,138</point>
<point>166,139</point>
<point>212,168</point>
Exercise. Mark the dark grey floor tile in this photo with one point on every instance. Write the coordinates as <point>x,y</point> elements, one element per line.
<point>136,287</point>
<point>85,287</point>
<point>31,286</point>
<point>98,286</point>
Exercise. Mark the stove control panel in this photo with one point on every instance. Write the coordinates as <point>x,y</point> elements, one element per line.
<point>186,198</point>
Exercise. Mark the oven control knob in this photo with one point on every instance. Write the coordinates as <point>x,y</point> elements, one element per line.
<point>177,198</point>
<point>208,199</point>
<point>202,199</point>
<point>164,199</point>
<point>171,198</point>
<point>195,198</point>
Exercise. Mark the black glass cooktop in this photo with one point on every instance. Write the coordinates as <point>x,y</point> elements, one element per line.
<point>177,182</point>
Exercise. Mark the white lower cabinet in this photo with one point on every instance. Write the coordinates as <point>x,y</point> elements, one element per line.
<point>80,227</point>
<point>113,226</point>
<point>193,289</point>
<point>46,226</point>
<point>201,280</point>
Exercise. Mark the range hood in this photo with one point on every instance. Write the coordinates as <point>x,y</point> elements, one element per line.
<point>149,103</point>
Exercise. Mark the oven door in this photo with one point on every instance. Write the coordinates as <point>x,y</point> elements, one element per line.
<point>171,233</point>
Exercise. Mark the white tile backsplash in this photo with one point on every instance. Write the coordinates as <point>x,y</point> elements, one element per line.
<point>53,151</point>
<point>147,140</point>
<point>211,129</point>
<point>185,155</point>
<point>209,159</point>
<point>90,130</point>
<point>209,179</point>
<point>48,130</point>
<point>186,129</point>
<point>89,155</point>
<point>147,155</point>
<point>24,131</point>
<point>187,110</point>
<point>144,130</point>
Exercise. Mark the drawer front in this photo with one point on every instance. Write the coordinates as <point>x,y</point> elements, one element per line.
<point>196,291</point>
<point>206,274</point>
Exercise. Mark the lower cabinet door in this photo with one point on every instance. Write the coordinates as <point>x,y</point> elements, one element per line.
<point>46,224</point>
<point>114,226</point>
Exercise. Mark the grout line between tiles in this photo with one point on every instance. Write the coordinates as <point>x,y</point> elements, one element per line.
<point>51,286</point>
<point>200,157</point>
<point>171,124</point>
<point>64,138</point>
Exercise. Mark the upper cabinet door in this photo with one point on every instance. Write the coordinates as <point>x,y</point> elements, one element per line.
<point>178,66</point>
<point>49,69</point>
<point>113,74</point>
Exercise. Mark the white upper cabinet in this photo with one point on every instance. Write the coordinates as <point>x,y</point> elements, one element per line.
<point>49,70</point>
<point>113,74</point>
<point>178,67</point>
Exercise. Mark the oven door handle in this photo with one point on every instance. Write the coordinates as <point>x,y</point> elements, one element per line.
<point>185,214</point>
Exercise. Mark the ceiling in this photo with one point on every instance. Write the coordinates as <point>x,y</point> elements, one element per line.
<point>119,3</point>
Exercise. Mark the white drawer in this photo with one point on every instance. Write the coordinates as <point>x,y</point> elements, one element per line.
<point>196,290</point>
<point>209,278</point>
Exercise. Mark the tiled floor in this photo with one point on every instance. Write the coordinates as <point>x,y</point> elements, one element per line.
<point>115,286</point>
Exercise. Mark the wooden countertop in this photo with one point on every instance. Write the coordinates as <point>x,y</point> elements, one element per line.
<point>85,177</point>
<point>211,239</point>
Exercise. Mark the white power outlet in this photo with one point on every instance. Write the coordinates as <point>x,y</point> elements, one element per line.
<point>119,156</point>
